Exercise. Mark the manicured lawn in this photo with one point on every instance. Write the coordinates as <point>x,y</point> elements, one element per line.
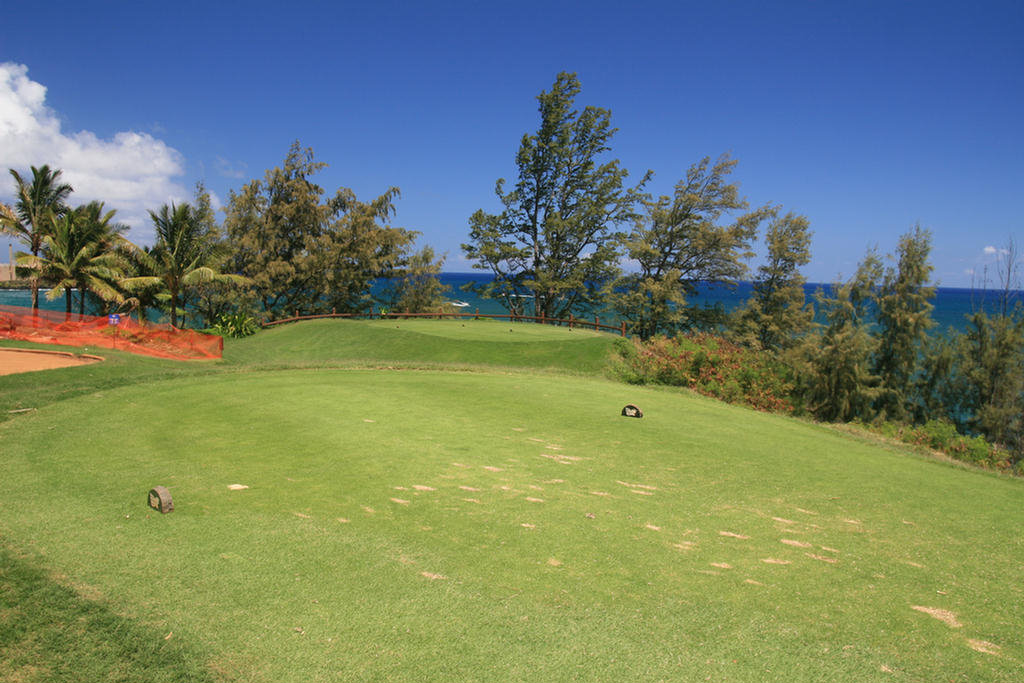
<point>428,525</point>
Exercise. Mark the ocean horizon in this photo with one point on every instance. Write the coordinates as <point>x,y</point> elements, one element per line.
<point>952,304</point>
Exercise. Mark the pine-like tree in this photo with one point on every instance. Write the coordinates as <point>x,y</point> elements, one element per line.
<point>903,320</point>
<point>776,316</point>
<point>555,240</point>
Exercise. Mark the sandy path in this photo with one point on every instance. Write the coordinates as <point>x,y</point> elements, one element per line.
<point>28,360</point>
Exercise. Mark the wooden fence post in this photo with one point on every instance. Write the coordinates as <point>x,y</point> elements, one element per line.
<point>623,328</point>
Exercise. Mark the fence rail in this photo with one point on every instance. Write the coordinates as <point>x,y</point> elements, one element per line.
<point>571,321</point>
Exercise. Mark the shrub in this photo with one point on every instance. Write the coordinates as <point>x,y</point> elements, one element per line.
<point>235,325</point>
<point>709,365</point>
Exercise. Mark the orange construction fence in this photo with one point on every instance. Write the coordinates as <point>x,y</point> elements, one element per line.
<point>111,332</point>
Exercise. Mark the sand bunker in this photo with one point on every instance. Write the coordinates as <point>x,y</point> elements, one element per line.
<point>29,360</point>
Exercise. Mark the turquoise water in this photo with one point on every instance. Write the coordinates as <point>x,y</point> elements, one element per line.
<point>951,304</point>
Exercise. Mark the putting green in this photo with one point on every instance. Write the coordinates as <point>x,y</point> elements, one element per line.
<point>486,330</point>
<point>428,526</point>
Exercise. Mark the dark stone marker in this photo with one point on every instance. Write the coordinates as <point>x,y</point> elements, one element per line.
<point>632,411</point>
<point>160,499</point>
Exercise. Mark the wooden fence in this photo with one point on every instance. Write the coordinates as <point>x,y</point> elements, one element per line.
<point>571,321</point>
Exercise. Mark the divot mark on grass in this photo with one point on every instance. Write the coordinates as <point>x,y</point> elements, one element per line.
<point>730,534</point>
<point>344,520</point>
<point>709,572</point>
<point>916,565</point>
<point>721,565</point>
<point>798,544</point>
<point>368,510</point>
<point>421,487</point>
<point>885,669</point>
<point>366,420</point>
<point>459,464</point>
<point>401,488</point>
<point>533,438</point>
<point>237,487</point>
<point>472,500</point>
<point>527,525</point>
<point>400,501</point>
<point>752,582</point>
<point>822,558</point>
<point>535,487</point>
<point>908,523</point>
<point>555,481</point>
<point>983,646</point>
<point>852,521</point>
<point>468,488</point>
<point>553,562</point>
<point>828,550</point>
<point>943,615</point>
<point>637,486</point>
<point>553,447</point>
<point>642,493</point>
<point>775,560</point>
<point>652,527</point>
<point>432,576</point>
<point>518,429</point>
<point>492,468</point>
<point>783,520</point>
<point>684,545</point>
<point>560,458</point>
<point>534,500</point>
<point>806,512</point>
<point>599,493</point>
<point>299,514</point>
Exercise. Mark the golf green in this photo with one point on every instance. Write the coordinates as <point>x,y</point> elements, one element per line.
<point>422,525</point>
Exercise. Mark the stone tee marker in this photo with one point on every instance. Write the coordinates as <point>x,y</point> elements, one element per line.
<point>632,411</point>
<point>160,499</point>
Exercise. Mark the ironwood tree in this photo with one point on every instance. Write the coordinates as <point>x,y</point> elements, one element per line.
<point>307,252</point>
<point>556,240</point>
<point>777,315</point>
<point>904,316</point>
<point>700,235</point>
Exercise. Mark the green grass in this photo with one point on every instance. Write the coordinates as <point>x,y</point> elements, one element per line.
<point>389,533</point>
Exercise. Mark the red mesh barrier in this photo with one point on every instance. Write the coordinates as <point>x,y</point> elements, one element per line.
<point>54,327</point>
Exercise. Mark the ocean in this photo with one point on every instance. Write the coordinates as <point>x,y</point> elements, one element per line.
<point>952,304</point>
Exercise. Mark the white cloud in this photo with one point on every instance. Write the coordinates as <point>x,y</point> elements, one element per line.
<point>131,172</point>
<point>229,170</point>
<point>989,250</point>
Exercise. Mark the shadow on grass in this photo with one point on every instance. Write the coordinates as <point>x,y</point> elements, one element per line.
<point>50,633</point>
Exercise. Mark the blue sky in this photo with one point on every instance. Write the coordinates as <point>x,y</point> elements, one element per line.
<point>866,117</point>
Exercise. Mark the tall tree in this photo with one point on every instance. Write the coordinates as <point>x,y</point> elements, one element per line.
<point>304,252</point>
<point>555,240</point>
<point>181,257</point>
<point>904,316</point>
<point>418,288</point>
<point>80,252</point>
<point>34,200</point>
<point>834,365</point>
<point>776,315</point>
<point>683,243</point>
<point>360,246</point>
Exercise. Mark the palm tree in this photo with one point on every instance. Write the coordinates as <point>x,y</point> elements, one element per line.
<point>184,255</point>
<point>33,203</point>
<point>81,251</point>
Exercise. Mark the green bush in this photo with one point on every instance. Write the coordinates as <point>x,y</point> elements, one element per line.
<point>235,325</point>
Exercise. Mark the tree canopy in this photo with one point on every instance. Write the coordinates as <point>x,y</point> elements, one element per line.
<point>556,240</point>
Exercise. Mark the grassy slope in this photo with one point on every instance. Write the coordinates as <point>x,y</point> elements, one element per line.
<point>327,343</point>
<point>632,592</point>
